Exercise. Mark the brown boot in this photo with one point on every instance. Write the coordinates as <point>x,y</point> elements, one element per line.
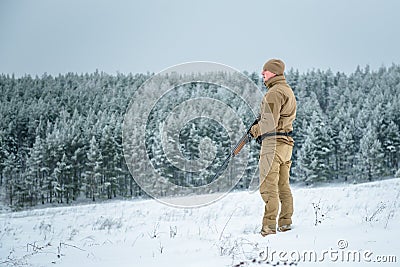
<point>267,231</point>
<point>284,228</point>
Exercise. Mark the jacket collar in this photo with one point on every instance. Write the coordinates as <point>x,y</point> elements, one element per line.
<point>274,80</point>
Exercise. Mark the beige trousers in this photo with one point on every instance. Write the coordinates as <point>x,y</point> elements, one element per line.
<point>275,162</point>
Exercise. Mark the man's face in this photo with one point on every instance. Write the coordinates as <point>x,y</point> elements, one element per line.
<point>267,75</point>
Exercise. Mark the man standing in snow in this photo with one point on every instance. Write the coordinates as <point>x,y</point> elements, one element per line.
<point>274,128</point>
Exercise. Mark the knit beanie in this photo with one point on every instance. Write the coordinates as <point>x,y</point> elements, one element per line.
<point>275,66</point>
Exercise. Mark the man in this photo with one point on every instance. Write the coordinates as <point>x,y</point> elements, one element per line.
<point>274,128</point>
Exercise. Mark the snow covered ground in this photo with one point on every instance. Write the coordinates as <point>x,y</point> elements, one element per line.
<point>339,224</point>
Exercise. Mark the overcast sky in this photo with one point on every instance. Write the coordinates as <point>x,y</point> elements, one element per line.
<point>59,36</point>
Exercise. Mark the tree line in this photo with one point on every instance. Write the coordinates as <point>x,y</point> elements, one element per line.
<point>61,137</point>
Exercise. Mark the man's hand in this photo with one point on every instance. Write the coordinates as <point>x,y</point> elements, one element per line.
<point>255,128</point>
<point>255,131</point>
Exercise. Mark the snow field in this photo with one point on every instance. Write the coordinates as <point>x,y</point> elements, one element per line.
<point>362,218</point>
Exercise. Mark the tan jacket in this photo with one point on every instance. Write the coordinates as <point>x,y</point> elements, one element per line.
<point>278,110</point>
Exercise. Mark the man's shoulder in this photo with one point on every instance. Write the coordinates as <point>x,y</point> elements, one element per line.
<point>279,89</point>
<point>282,88</point>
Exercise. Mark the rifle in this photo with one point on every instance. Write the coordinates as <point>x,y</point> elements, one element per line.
<point>244,140</point>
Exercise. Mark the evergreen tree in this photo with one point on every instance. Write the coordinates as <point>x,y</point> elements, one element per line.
<point>345,154</point>
<point>2,155</point>
<point>391,146</point>
<point>313,158</point>
<point>370,157</point>
<point>9,172</point>
<point>93,173</point>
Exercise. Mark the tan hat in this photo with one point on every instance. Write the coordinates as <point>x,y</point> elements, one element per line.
<point>275,66</point>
